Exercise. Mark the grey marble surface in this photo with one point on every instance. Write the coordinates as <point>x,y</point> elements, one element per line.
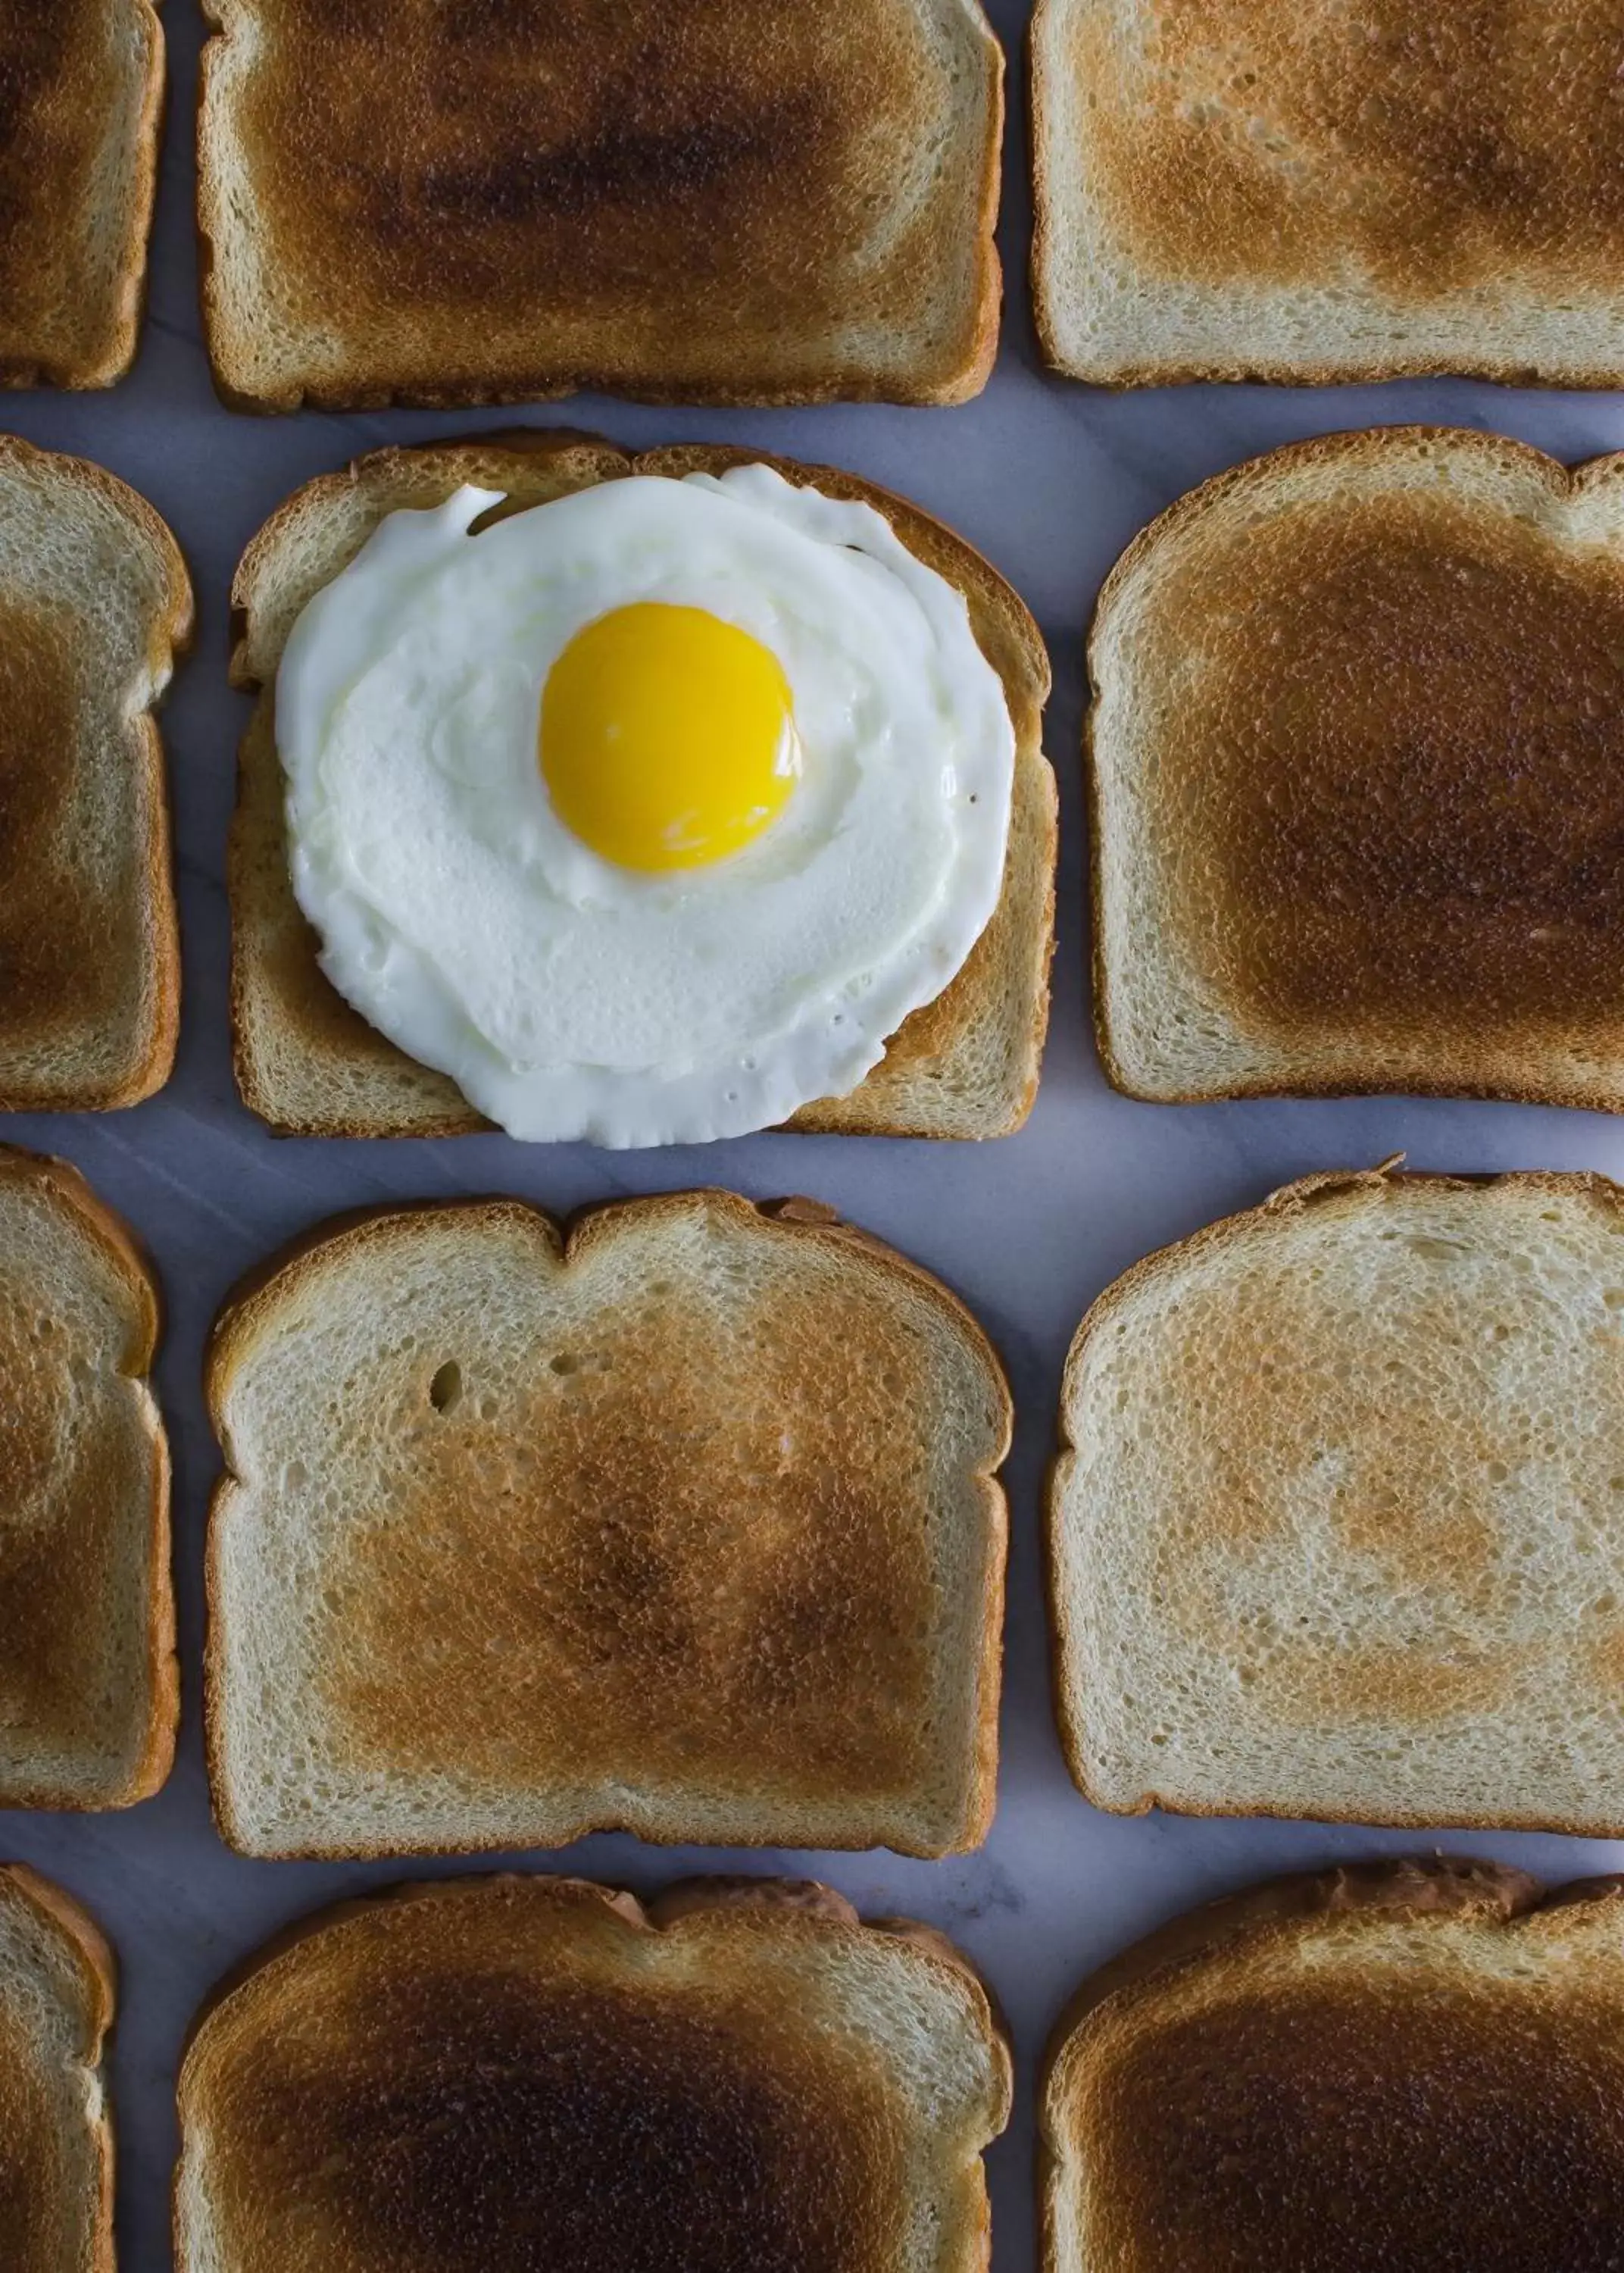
<point>1051,480</point>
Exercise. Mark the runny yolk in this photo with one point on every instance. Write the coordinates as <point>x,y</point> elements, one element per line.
<point>667,737</point>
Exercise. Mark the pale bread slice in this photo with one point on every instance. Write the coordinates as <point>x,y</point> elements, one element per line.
<point>1322,194</point>
<point>89,1688</point>
<point>964,1065</point>
<point>1356,780</point>
<point>81,100</point>
<point>1337,1520</point>
<point>1413,2064</point>
<point>529,2071</point>
<point>56,2001</point>
<point>685,1524</point>
<point>95,604</point>
<point>735,201</point>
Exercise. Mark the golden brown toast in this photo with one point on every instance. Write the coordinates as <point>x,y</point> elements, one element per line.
<point>57,1999</point>
<point>81,93</point>
<point>94,604</point>
<point>523,2071</point>
<point>88,1683</point>
<point>720,201</point>
<point>1415,2065</point>
<point>965,1065</point>
<point>1339,1506</point>
<point>1231,189</point>
<point>685,1523</point>
<point>1357,776</point>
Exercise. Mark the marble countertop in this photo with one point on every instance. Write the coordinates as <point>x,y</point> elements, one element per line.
<point>1051,480</point>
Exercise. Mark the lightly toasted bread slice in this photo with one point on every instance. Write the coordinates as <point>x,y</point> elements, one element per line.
<point>1418,2066</point>
<point>541,2072</point>
<point>1357,778</point>
<point>56,2001</point>
<point>684,1524</point>
<point>1337,1520</point>
<point>732,201</point>
<point>81,96</point>
<point>89,1691</point>
<point>965,1065</point>
<point>94,604</point>
<point>1318,194</point>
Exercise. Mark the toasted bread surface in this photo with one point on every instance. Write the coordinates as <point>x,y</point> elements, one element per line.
<point>1357,778</point>
<point>732,201</point>
<point>1226,189</point>
<point>965,1065</point>
<point>1339,1507</point>
<point>1411,2065</point>
<point>539,2072</point>
<point>88,1684</point>
<point>684,1524</point>
<point>56,1997</point>
<point>81,91</point>
<point>95,602</point>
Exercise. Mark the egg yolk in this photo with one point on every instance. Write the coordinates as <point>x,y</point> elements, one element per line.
<point>667,737</point>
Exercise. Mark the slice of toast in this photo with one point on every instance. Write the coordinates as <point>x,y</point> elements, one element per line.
<point>684,1524</point>
<point>95,602</point>
<point>89,1691</point>
<point>1357,778</point>
<point>57,1999</point>
<point>1415,2065</point>
<point>81,94</point>
<point>965,1065</point>
<point>730,201</point>
<point>524,2071</point>
<point>1337,1526</point>
<point>1321,193</point>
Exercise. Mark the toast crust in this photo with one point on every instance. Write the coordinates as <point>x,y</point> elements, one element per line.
<point>92,1957</point>
<point>74,166</point>
<point>1216,1238</point>
<point>66,1192</point>
<point>1272,1914</point>
<point>308,1064</point>
<point>252,1310</point>
<point>1545,880</point>
<point>728,1925</point>
<point>94,973</point>
<point>1465,192</point>
<point>750,206</point>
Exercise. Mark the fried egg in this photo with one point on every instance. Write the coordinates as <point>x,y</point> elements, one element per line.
<point>646,814</point>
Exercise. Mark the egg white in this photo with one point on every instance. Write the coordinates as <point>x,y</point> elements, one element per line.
<point>571,998</point>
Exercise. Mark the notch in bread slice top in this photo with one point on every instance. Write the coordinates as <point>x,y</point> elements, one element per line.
<point>684,1523</point>
<point>84,83</point>
<point>95,604</point>
<point>88,1681</point>
<point>964,1064</point>
<point>733,201</point>
<point>1359,778</point>
<point>541,2071</point>
<point>1407,2064</point>
<point>56,2000</point>
<point>1238,191</point>
<point>1337,1520</point>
